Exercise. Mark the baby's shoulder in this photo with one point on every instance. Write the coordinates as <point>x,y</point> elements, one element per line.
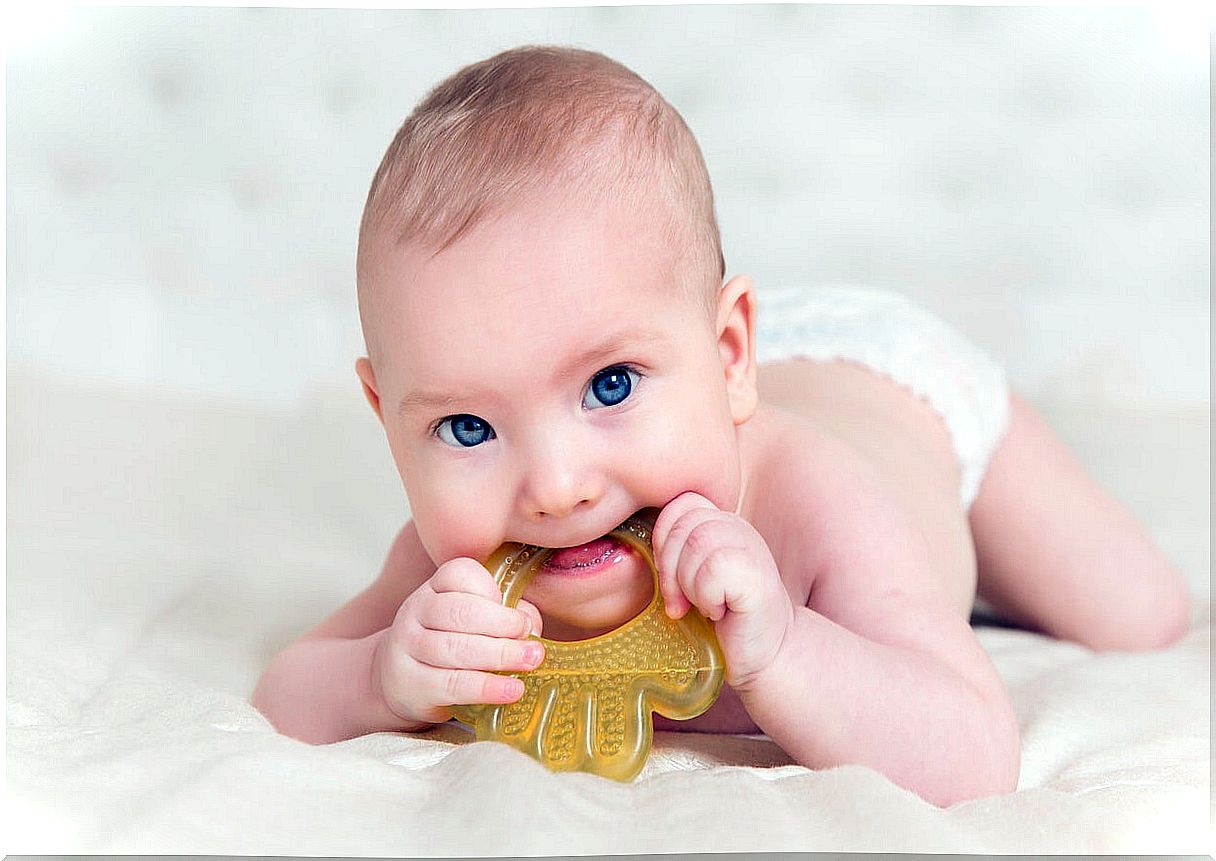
<point>845,531</point>
<point>815,499</point>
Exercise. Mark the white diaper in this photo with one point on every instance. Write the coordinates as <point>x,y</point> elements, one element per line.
<point>891,335</point>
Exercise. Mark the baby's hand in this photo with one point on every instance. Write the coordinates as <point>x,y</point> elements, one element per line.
<point>718,562</point>
<point>447,636</point>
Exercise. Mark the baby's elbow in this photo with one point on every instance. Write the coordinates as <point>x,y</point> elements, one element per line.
<point>994,773</point>
<point>997,758</point>
<point>273,698</point>
<point>987,762</point>
<point>265,696</point>
<point>1005,758</point>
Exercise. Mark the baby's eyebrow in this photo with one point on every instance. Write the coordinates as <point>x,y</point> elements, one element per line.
<point>415,401</point>
<point>432,400</point>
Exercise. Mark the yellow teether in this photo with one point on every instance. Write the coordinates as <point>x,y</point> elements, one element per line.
<point>588,706</point>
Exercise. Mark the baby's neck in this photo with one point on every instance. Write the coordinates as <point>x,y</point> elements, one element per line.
<point>755,440</point>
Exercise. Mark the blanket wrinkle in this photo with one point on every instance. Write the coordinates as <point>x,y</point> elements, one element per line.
<point>135,641</point>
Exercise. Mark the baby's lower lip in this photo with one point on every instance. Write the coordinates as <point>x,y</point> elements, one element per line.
<point>586,558</point>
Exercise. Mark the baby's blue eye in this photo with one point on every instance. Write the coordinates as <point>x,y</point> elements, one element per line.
<point>466,430</point>
<point>611,385</point>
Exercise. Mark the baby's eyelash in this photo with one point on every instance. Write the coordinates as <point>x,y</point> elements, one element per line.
<point>623,365</point>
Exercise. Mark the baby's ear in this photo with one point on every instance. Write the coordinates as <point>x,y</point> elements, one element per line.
<point>363,368</point>
<point>737,345</point>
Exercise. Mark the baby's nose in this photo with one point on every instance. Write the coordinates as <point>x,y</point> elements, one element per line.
<point>557,505</point>
<point>554,494</point>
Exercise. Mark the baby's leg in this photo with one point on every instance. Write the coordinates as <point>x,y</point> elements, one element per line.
<point>1058,554</point>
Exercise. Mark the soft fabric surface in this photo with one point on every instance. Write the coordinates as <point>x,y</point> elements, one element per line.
<point>161,550</point>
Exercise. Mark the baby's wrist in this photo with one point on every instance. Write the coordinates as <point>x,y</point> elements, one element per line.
<point>769,680</point>
<point>378,713</point>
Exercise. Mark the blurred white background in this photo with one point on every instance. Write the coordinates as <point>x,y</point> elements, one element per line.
<point>194,479</point>
<point>185,184</point>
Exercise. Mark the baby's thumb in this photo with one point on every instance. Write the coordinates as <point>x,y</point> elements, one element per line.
<point>534,614</point>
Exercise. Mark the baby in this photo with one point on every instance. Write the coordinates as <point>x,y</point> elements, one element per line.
<point>552,347</point>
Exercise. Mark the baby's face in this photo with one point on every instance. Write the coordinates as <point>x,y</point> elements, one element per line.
<point>540,381</point>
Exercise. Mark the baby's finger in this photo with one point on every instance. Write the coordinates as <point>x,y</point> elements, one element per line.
<point>694,577</point>
<point>471,687</point>
<point>463,574</point>
<point>533,614</point>
<point>446,650</point>
<point>463,613</point>
<point>672,512</point>
<point>674,601</point>
<point>687,544</point>
<point>713,583</point>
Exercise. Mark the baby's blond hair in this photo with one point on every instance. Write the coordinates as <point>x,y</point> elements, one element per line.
<point>535,119</point>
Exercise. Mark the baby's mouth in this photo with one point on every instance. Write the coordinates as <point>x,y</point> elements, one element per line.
<point>592,553</point>
<point>584,555</point>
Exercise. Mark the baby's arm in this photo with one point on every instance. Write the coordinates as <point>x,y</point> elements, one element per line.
<point>322,688</point>
<point>419,640</point>
<point>897,684</point>
<point>879,669</point>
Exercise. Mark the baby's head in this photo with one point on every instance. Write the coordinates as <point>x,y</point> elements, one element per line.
<point>550,345</point>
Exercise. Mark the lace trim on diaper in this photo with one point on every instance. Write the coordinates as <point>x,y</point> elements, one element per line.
<point>891,335</point>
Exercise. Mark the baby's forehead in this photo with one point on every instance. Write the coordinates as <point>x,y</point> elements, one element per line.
<point>544,320</point>
<point>530,276</point>
<point>555,331</point>
<point>541,282</point>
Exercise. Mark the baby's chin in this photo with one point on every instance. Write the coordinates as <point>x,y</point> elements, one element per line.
<point>569,627</point>
<point>579,610</point>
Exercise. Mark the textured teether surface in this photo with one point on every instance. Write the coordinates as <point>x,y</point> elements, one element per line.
<point>588,706</point>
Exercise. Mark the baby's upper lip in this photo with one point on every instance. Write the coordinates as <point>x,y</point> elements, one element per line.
<point>595,537</point>
<point>556,546</point>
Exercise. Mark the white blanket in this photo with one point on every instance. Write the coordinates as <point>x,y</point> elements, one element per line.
<point>161,550</point>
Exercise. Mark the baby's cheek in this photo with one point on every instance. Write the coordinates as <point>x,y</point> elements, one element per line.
<point>448,532</point>
<point>707,464</point>
<point>451,508</point>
